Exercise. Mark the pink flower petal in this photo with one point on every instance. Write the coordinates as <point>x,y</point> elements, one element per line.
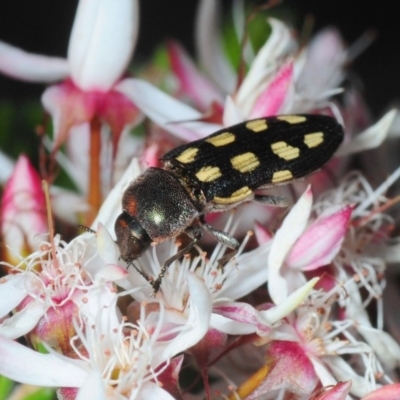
<point>102,42</point>
<point>321,241</point>
<point>291,370</point>
<point>278,46</point>
<point>388,392</point>
<point>169,377</point>
<point>19,64</point>
<point>244,313</point>
<point>192,83</point>
<point>27,366</point>
<point>338,392</point>
<point>70,107</point>
<point>272,98</point>
<point>263,235</point>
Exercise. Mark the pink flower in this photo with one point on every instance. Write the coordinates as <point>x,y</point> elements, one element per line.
<point>296,247</point>
<point>45,290</point>
<point>87,102</point>
<point>23,211</point>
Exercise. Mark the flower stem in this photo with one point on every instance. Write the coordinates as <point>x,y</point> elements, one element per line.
<point>94,194</point>
<point>248,387</point>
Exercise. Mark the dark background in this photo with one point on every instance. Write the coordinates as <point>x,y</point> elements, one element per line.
<point>43,26</point>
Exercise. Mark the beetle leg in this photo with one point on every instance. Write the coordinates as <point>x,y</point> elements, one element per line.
<point>275,201</point>
<point>223,238</point>
<point>193,232</point>
<point>145,276</point>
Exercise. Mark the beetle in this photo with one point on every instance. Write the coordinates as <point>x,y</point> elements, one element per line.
<point>218,173</point>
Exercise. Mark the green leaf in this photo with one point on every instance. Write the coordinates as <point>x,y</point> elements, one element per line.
<point>5,387</point>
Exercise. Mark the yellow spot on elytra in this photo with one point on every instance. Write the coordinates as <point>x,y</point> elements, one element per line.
<point>314,139</point>
<point>235,197</point>
<point>188,155</point>
<point>222,139</point>
<point>208,174</point>
<point>292,119</point>
<point>285,151</point>
<point>280,176</point>
<point>245,162</point>
<point>258,125</point>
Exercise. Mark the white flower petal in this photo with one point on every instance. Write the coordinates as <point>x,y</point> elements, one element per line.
<point>12,292</point>
<point>27,366</point>
<point>23,321</point>
<point>150,390</point>
<point>229,326</point>
<point>385,347</point>
<point>290,303</point>
<point>171,114</point>
<point>29,67</point>
<point>93,388</point>
<point>197,323</point>
<point>291,229</point>
<point>232,113</point>
<point>67,205</point>
<point>250,272</point>
<point>209,47</point>
<point>107,247</point>
<point>343,372</point>
<point>371,137</point>
<point>102,41</point>
<point>6,167</point>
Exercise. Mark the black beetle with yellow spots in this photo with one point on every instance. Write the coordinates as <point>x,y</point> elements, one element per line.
<point>217,173</point>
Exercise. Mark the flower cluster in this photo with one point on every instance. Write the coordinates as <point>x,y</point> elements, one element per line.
<point>299,312</point>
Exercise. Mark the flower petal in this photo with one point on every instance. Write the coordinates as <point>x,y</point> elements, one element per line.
<point>102,41</point>
<point>23,209</point>
<point>192,82</point>
<point>19,64</point>
<point>197,323</point>
<point>12,292</point>
<point>6,167</point>
<point>291,229</point>
<point>275,314</point>
<point>371,137</point>
<point>209,46</point>
<point>278,46</point>
<point>322,69</point>
<point>150,390</point>
<point>164,110</point>
<point>388,392</point>
<point>321,241</point>
<point>27,366</point>
<point>23,321</point>
<point>93,388</point>
<point>272,98</point>
<point>338,392</point>
<point>232,114</point>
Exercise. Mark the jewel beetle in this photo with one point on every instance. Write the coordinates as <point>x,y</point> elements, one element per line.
<point>217,173</point>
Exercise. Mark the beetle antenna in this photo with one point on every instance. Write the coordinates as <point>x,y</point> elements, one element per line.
<point>86,229</point>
